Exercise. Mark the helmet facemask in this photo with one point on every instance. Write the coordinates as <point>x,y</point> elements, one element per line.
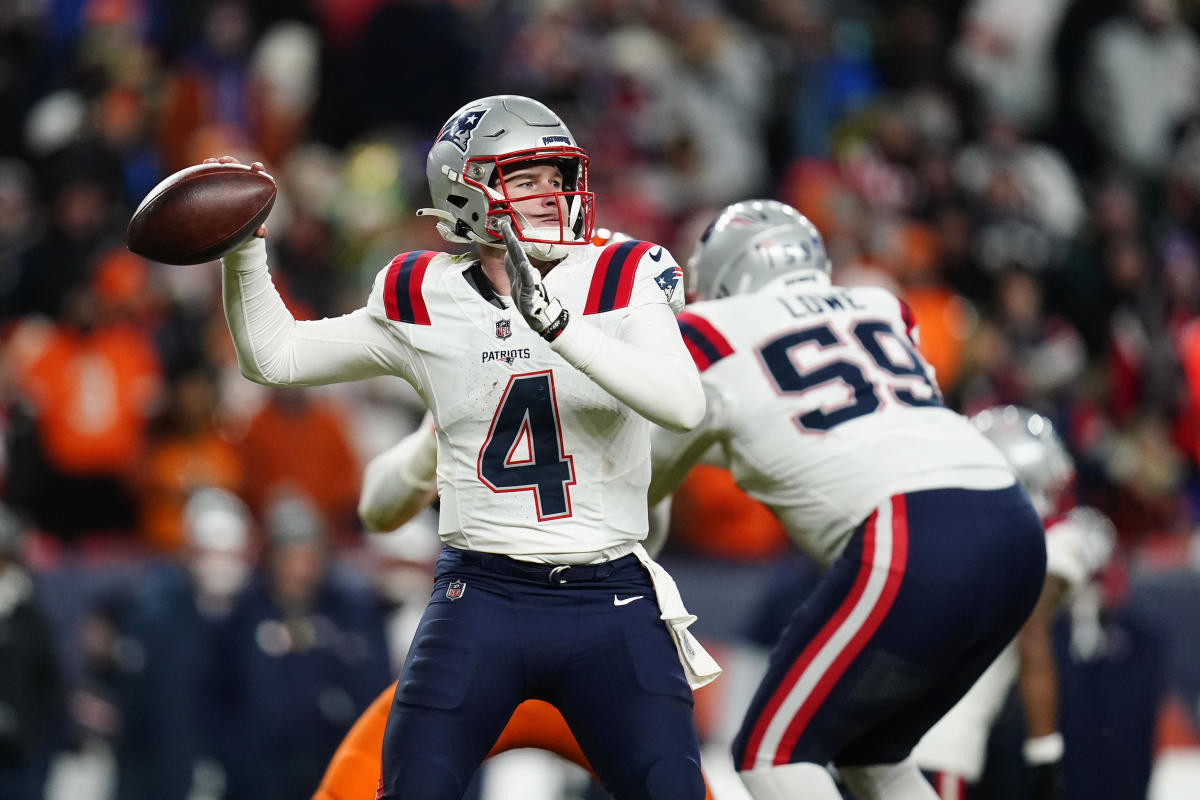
<point>573,202</point>
<point>466,166</point>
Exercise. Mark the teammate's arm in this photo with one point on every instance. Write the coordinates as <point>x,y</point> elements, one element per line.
<point>1037,681</point>
<point>400,482</point>
<point>1037,685</point>
<point>646,367</point>
<point>274,348</point>
<point>672,455</point>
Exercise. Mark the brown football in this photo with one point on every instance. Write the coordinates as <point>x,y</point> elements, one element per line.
<point>200,213</point>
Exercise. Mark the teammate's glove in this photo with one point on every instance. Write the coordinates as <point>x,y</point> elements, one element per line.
<point>544,313</point>
<point>1043,761</point>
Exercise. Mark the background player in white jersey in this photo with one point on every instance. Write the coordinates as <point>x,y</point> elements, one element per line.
<point>543,589</point>
<point>1079,542</point>
<point>825,412</point>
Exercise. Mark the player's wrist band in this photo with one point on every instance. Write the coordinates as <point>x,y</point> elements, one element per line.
<point>553,330</point>
<point>1044,749</point>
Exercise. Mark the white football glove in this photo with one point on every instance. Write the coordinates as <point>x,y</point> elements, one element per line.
<point>544,313</point>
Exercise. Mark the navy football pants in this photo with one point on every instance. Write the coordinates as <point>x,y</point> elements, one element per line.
<point>930,588</point>
<point>497,632</point>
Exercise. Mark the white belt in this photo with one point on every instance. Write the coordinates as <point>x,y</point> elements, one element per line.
<point>698,666</point>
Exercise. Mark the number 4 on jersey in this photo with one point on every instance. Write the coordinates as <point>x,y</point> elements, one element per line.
<point>524,449</point>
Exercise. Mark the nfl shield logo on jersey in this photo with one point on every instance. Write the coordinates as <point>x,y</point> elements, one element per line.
<point>455,589</point>
<point>503,329</point>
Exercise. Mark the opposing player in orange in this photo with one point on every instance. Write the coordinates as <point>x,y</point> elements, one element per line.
<point>353,772</point>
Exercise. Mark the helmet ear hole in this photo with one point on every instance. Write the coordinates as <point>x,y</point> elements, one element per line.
<point>457,200</point>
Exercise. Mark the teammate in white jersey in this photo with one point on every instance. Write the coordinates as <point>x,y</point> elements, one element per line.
<point>1079,543</point>
<point>825,411</point>
<point>542,405</point>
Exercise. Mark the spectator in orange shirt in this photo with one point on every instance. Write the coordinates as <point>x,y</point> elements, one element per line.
<point>186,452</point>
<point>298,442</point>
<point>90,383</point>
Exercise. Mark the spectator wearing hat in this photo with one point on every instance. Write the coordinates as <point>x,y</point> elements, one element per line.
<point>166,657</point>
<point>303,654</point>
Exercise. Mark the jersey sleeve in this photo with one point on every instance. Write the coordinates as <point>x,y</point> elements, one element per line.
<point>1079,546</point>
<point>705,343</point>
<point>398,294</point>
<point>673,454</point>
<point>274,348</point>
<point>909,319</point>
<point>645,366</point>
<point>400,482</point>
<point>632,273</point>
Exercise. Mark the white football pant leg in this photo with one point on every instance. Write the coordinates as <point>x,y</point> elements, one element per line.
<point>790,782</point>
<point>902,781</point>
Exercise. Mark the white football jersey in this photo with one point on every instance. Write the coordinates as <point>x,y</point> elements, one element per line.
<point>824,407</point>
<point>534,458</point>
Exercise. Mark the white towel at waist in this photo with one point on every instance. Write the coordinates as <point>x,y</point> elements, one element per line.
<point>699,667</point>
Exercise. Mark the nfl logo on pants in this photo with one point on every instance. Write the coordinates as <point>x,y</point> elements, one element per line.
<point>455,589</point>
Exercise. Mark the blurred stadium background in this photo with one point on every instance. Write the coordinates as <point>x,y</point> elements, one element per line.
<point>1025,173</point>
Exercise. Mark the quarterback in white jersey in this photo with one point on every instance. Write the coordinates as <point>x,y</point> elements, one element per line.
<point>542,404</point>
<point>1079,543</point>
<point>825,411</point>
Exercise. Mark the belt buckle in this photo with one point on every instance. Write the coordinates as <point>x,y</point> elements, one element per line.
<point>556,573</point>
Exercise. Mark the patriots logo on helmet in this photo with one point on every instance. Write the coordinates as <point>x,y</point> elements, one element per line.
<point>668,279</point>
<point>458,130</point>
<point>503,329</point>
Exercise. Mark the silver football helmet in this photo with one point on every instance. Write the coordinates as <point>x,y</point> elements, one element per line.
<point>466,167</point>
<point>1029,443</point>
<point>752,243</point>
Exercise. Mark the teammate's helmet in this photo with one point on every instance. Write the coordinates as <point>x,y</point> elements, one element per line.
<point>466,165</point>
<point>1031,446</point>
<point>752,243</point>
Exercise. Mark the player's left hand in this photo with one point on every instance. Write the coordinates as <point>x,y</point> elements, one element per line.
<point>544,313</point>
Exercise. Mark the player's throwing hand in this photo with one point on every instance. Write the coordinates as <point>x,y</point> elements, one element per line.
<point>544,313</point>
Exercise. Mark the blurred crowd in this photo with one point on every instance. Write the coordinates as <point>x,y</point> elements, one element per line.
<point>1025,173</point>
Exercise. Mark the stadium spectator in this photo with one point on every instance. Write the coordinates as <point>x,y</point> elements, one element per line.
<point>1139,83</point>
<point>90,384</point>
<point>31,681</point>
<point>299,442</point>
<point>185,452</point>
<point>165,687</point>
<point>302,654</point>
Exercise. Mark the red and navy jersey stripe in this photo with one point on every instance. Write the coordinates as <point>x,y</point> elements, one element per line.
<point>612,280</point>
<point>704,342</point>
<point>402,298</point>
<point>910,320</point>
